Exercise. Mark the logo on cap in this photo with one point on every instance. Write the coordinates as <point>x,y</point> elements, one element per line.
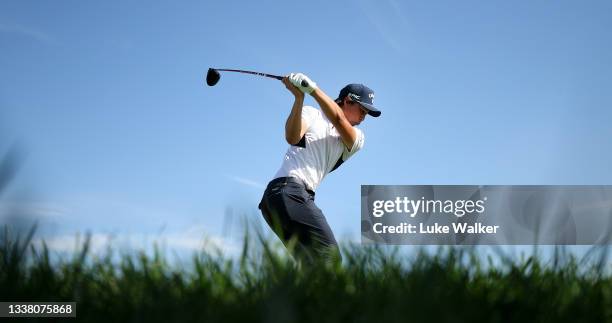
<point>354,96</point>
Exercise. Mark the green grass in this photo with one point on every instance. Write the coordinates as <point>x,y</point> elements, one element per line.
<point>264,285</point>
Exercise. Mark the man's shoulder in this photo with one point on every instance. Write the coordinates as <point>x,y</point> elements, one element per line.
<point>360,133</point>
<point>311,110</point>
<point>311,114</point>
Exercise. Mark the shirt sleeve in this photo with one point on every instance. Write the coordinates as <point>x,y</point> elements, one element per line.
<point>357,145</point>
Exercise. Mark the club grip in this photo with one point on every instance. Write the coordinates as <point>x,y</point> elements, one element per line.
<point>305,83</point>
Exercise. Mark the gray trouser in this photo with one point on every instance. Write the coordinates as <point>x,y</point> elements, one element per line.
<point>289,209</point>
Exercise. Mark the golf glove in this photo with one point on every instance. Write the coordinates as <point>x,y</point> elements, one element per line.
<point>299,80</point>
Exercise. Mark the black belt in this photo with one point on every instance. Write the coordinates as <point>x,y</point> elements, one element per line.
<point>294,180</point>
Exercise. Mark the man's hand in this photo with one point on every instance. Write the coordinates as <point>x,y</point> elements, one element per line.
<point>297,80</point>
<point>293,89</point>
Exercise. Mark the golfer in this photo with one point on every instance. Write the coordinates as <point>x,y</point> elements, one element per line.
<point>320,141</point>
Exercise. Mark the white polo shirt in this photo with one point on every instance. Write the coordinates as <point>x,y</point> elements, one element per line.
<point>320,151</point>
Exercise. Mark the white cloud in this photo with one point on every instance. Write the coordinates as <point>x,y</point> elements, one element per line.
<point>388,20</point>
<point>72,243</point>
<point>189,241</point>
<point>28,32</point>
<point>32,209</point>
<point>246,181</point>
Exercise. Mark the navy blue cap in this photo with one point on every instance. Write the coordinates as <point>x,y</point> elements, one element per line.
<point>360,94</point>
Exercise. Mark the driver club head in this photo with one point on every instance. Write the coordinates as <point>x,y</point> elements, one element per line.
<point>212,77</point>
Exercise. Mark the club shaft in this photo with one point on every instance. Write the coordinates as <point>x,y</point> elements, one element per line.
<point>251,72</point>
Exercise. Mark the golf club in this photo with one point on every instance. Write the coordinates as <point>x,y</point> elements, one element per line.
<point>213,75</point>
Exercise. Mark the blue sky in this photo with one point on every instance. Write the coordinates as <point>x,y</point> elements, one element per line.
<point>123,136</point>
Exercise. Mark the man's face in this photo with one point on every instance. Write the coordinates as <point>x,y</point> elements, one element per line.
<point>354,112</point>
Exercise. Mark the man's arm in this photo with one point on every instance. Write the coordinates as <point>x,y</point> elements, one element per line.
<point>334,113</point>
<point>295,127</point>
<point>330,108</point>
